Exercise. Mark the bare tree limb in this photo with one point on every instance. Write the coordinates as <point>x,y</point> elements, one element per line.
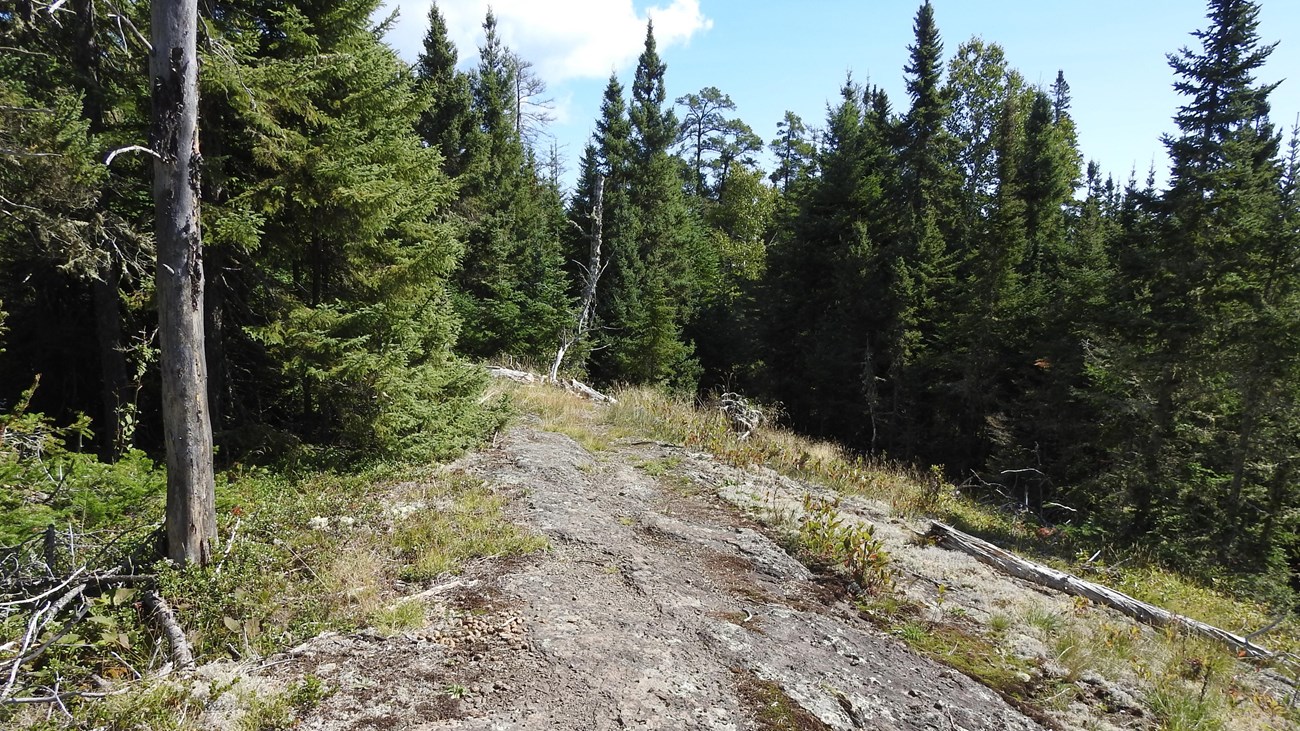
<point>594,269</point>
<point>56,697</point>
<point>24,51</point>
<point>130,148</point>
<point>182,656</point>
<point>24,153</point>
<point>120,18</point>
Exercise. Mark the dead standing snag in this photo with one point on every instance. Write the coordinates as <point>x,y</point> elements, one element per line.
<point>173,70</point>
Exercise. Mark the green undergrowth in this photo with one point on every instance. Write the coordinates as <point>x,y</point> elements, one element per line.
<point>299,551</point>
<point>45,479</point>
<point>976,651</point>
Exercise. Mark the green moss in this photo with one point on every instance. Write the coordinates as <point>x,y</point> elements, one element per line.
<point>771,708</point>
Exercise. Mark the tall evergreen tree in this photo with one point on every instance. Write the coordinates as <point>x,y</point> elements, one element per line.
<point>511,291</point>
<point>448,124</point>
<point>665,257</point>
<point>340,322</point>
<point>74,238</point>
<point>921,261</point>
<point>793,150</point>
<point>1217,286</point>
<point>827,275</point>
<point>702,121</point>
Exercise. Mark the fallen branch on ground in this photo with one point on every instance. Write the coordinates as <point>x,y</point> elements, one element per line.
<point>182,655</point>
<point>743,416</point>
<point>568,384</point>
<point>1022,568</point>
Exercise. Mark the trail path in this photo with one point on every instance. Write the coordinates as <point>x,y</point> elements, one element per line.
<point>660,605</point>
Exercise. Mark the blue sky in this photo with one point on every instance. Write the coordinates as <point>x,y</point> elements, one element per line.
<point>770,55</point>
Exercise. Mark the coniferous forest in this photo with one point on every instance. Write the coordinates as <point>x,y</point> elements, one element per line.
<point>939,279</point>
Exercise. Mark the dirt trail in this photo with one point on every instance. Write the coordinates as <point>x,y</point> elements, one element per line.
<point>659,606</point>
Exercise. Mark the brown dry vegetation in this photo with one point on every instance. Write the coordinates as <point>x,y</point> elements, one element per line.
<point>1176,682</point>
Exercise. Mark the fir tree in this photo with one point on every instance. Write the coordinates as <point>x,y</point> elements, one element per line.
<point>344,252</point>
<point>921,261</point>
<point>511,291</point>
<point>448,124</point>
<point>660,259</point>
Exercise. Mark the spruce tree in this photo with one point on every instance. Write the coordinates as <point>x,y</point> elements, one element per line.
<point>646,343</point>
<point>75,249</point>
<point>826,275</point>
<point>1215,290</point>
<point>921,261</point>
<point>448,124</point>
<point>340,318</point>
<point>511,292</point>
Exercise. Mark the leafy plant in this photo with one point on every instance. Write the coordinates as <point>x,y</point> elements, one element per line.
<point>827,538</point>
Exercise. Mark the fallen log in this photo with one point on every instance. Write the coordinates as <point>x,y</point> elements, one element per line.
<point>1009,563</point>
<point>512,374</point>
<point>583,389</point>
<point>569,384</point>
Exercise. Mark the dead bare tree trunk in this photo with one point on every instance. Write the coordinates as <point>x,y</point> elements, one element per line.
<point>594,269</point>
<point>173,71</point>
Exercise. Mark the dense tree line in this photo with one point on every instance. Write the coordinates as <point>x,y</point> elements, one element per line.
<point>950,285</point>
<point>943,281</point>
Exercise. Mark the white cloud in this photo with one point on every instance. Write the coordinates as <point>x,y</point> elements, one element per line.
<point>564,39</point>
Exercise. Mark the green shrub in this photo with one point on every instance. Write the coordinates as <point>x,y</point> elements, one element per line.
<point>45,481</point>
<point>826,538</point>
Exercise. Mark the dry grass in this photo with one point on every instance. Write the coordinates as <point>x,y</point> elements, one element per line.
<point>643,412</point>
<point>1186,684</point>
<point>460,519</point>
<point>406,615</point>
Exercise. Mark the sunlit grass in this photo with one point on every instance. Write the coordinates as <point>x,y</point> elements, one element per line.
<point>1086,641</point>
<point>459,520</point>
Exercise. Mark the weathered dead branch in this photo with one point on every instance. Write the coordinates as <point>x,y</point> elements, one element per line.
<point>594,269</point>
<point>569,384</point>
<point>744,417</point>
<point>1149,614</point>
<point>47,584</point>
<point>181,654</point>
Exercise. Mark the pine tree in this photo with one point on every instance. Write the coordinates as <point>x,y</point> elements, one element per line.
<point>703,119</point>
<point>793,150</point>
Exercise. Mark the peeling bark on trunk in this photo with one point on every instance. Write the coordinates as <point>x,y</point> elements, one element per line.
<point>173,71</point>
